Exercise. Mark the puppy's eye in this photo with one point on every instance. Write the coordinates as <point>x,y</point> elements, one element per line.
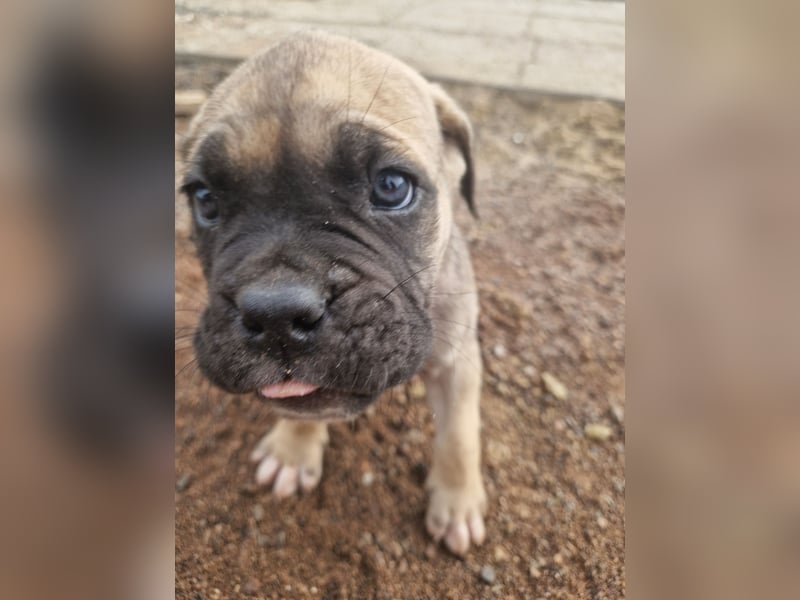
<point>205,205</point>
<point>392,190</point>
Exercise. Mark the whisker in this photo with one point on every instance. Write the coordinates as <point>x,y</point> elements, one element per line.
<point>349,78</point>
<point>406,280</point>
<point>375,95</point>
<point>395,123</point>
<point>467,328</point>
<point>455,349</point>
<point>454,293</point>
<point>193,361</point>
<point>184,334</point>
<point>464,325</point>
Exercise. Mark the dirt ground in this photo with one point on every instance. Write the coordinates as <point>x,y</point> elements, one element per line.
<point>549,258</point>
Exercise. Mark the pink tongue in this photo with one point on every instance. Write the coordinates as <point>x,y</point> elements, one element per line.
<point>288,389</point>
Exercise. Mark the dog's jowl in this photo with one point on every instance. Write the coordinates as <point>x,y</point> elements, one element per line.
<point>322,177</point>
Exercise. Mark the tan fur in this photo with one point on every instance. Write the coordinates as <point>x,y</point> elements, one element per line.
<point>256,144</point>
<point>361,84</point>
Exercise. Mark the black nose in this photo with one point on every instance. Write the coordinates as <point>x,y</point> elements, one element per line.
<point>283,314</point>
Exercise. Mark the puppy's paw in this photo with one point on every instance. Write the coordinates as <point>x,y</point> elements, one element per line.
<point>290,457</point>
<point>455,514</point>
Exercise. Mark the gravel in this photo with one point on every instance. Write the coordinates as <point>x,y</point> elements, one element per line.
<point>487,574</point>
<point>597,432</point>
<point>183,482</point>
<point>554,386</point>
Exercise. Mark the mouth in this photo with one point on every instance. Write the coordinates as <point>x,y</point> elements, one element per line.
<point>300,400</point>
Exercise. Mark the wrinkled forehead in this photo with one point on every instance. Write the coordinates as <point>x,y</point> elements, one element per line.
<point>315,98</point>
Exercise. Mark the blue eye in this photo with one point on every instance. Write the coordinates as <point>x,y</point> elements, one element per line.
<point>205,206</point>
<point>392,190</point>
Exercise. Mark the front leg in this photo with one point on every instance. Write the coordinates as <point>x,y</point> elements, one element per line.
<point>458,500</point>
<point>290,456</point>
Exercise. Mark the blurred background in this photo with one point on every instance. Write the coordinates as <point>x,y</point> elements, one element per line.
<point>86,264</point>
<point>713,336</point>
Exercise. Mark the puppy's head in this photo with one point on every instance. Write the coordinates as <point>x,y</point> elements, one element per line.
<point>320,176</point>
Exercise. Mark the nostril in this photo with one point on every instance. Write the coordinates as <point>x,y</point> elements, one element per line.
<point>251,325</point>
<point>303,325</point>
<point>310,317</point>
<point>281,313</point>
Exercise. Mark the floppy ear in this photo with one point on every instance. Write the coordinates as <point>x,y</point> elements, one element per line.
<point>457,130</point>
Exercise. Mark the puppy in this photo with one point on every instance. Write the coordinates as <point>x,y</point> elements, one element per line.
<point>322,176</point>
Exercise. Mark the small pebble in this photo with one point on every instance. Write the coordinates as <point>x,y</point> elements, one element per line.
<point>258,512</point>
<point>518,138</point>
<point>500,555</point>
<point>487,574</point>
<point>278,541</point>
<point>415,436</point>
<point>529,371</point>
<point>520,380</point>
<point>417,389</point>
<point>554,386</point>
<point>597,432</point>
<point>368,478</point>
<point>250,490</point>
<point>534,571</point>
<point>503,389</point>
<point>183,482</point>
<point>602,522</point>
<point>500,351</point>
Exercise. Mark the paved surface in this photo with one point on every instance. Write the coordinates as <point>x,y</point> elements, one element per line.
<point>559,46</point>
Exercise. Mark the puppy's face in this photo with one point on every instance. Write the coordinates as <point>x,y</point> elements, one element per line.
<point>320,176</point>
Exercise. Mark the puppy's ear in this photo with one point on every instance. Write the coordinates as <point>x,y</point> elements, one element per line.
<point>457,131</point>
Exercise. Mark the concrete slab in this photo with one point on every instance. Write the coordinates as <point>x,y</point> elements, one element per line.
<point>566,46</point>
